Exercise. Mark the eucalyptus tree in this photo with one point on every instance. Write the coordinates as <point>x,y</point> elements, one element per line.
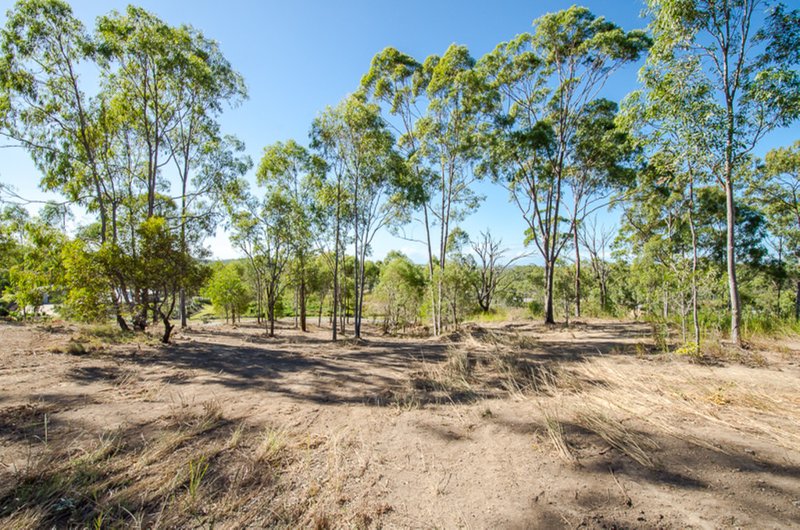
<point>48,112</point>
<point>203,83</point>
<point>209,175</point>
<point>162,268</point>
<point>261,228</point>
<point>656,230</point>
<point>36,271</point>
<point>107,145</point>
<point>597,241</point>
<point>546,81</point>
<point>603,158</point>
<point>775,187</point>
<point>449,134</point>
<point>400,291</point>
<point>44,106</point>
<point>137,51</point>
<point>356,142</point>
<point>290,167</point>
<point>667,117</point>
<point>333,199</point>
<point>745,53</point>
<point>228,291</point>
<point>457,278</point>
<point>438,104</point>
<point>399,82</point>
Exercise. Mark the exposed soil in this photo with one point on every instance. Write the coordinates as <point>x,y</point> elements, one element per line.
<point>510,425</point>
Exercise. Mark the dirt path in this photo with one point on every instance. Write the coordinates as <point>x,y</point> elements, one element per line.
<point>505,426</point>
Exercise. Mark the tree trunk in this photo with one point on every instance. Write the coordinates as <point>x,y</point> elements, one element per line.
<point>295,309</point>
<point>683,316</point>
<point>271,313</point>
<point>168,327</point>
<point>356,284</point>
<point>695,316</point>
<point>321,306</point>
<point>303,304</point>
<point>780,279</point>
<point>117,313</point>
<point>736,309</point>
<point>549,317</point>
<point>431,289</point>
<point>336,294</point>
<point>183,308</point>
<point>140,320</point>
<point>603,294</point>
<point>577,273</point>
<point>797,302</point>
<point>121,323</point>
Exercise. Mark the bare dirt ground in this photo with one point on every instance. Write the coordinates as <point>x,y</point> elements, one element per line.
<point>509,425</point>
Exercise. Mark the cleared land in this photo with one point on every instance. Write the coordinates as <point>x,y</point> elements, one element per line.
<point>509,425</point>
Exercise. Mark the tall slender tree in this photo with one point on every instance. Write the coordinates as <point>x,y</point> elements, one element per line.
<point>290,167</point>
<point>358,145</point>
<point>745,53</point>
<point>546,81</point>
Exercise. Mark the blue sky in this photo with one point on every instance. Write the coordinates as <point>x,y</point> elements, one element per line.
<point>297,57</point>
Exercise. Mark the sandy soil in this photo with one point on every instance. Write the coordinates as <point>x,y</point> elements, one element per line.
<point>509,425</point>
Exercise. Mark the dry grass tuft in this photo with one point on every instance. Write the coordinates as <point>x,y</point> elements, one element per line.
<point>662,397</point>
<point>557,437</point>
<point>271,448</point>
<point>190,470</point>
<point>635,445</point>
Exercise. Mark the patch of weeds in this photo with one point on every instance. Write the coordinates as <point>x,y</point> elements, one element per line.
<point>405,401</point>
<point>236,437</point>
<point>197,470</point>
<point>75,347</point>
<point>660,335</point>
<point>690,350</point>
<point>719,351</point>
<point>270,450</point>
<point>641,350</point>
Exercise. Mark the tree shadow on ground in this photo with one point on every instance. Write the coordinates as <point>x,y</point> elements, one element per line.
<point>371,371</point>
<point>708,475</point>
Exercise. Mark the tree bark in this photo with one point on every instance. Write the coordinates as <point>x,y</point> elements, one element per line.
<point>733,286</point>
<point>168,327</point>
<point>303,326</point>
<point>336,293</point>
<point>577,273</point>
<point>797,302</point>
<point>183,308</point>
<point>695,316</point>
<point>431,288</point>
<point>271,312</point>
<point>549,317</point>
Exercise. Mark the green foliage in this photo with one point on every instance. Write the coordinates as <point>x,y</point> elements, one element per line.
<point>399,292</point>
<point>87,292</point>
<point>527,115</point>
<point>546,82</point>
<point>228,291</point>
<point>372,180</point>
<point>159,94</point>
<point>36,273</point>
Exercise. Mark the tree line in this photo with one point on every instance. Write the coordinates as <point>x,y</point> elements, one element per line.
<point>142,152</point>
